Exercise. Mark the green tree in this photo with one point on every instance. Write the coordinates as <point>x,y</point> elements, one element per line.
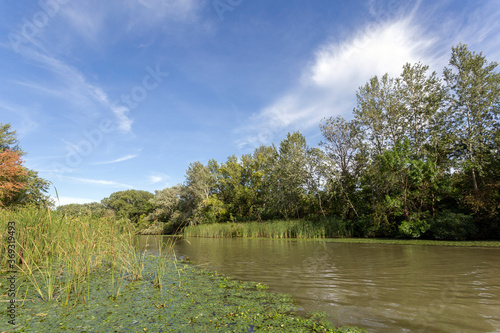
<point>131,204</point>
<point>290,180</point>
<point>165,203</point>
<point>421,97</point>
<point>34,191</point>
<point>8,139</point>
<point>94,209</point>
<point>342,141</point>
<point>196,191</point>
<point>474,105</point>
<point>263,181</point>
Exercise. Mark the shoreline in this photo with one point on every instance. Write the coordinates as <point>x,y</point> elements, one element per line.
<point>191,300</point>
<point>309,231</point>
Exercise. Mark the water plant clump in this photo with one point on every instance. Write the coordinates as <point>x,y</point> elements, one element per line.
<point>195,300</point>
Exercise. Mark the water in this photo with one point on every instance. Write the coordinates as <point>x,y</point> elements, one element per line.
<point>383,288</point>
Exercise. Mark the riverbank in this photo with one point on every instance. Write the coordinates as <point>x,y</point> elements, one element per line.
<point>271,229</point>
<point>191,300</point>
<point>303,229</point>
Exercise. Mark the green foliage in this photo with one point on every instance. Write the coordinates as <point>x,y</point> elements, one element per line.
<point>452,226</point>
<point>8,139</point>
<point>94,209</point>
<point>34,191</point>
<point>414,227</point>
<point>164,203</point>
<point>131,204</point>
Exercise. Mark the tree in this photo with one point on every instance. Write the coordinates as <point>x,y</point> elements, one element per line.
<point>8,139</point>
<point>474,105</point>
<point>342,143</point>
<point>199,185</point>
<point>378,114</point>
<point>94,209</point>
<point>34,189</point>
<point>289,185</point>
<point>421,98</point>
<point>316,170</point>
<point>131,204</point>
<point>11,175</point>
<point>263,181</point>
<point>164,203</point>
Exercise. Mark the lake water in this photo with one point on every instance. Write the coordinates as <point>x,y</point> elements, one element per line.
<point>383,288</point>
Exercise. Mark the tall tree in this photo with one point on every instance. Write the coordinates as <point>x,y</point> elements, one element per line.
<point>342,141</point>
<point>378,114</point>
<point>196,191</point>
<point>474,105</point>
<point>291,174</point>
<point>421,97</point>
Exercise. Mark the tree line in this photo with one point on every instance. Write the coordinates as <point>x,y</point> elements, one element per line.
<point>418,158</point>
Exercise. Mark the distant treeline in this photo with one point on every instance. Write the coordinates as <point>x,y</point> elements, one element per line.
<point>420,158</point>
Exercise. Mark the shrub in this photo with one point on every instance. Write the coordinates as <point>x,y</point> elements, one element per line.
<point>449,225</point>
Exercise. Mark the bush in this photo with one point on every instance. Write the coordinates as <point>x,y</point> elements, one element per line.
<point>452,226</point>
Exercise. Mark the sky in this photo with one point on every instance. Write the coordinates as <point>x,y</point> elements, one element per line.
<point>124,94</point>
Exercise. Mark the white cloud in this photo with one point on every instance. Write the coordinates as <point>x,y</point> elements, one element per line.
<point>156,178</point>
<point>121,159</point>
<point>328,85</point>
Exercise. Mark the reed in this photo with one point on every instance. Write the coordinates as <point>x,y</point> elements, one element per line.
<point>57,253</point>
<point>271,229</point>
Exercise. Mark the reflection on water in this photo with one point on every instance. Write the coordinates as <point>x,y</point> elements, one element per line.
<point>384,288</point>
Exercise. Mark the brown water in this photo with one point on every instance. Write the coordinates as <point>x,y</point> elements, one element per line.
<point>383,288</point>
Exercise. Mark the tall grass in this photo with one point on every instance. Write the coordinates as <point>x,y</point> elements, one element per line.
<point>272,229</point>
<point>57,253</point>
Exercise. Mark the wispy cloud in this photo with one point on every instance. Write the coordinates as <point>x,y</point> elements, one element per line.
<point>76,86</point>
<point>89,19</point>
<point>121,159</point>
<point>99,182</point>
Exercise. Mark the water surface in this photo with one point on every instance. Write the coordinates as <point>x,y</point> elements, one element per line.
<point>384,288</point>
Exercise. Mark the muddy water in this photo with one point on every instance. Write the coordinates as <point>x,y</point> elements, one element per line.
<point>384,288</point>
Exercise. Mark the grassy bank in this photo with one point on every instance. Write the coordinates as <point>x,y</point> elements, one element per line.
<point>416,242</point>
<point>332,231</point>
<point>271,229</point>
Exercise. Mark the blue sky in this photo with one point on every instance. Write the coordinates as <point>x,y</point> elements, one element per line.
<point>124,94</point>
